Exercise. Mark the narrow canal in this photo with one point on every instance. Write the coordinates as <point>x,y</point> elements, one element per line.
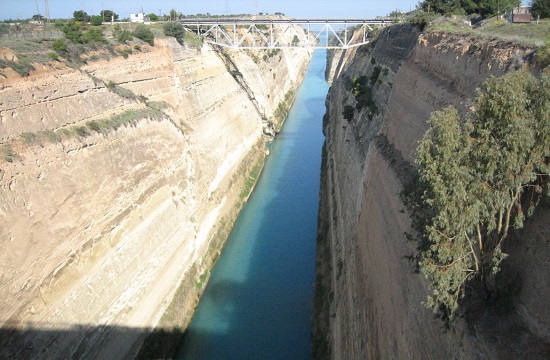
<point>258,302</point>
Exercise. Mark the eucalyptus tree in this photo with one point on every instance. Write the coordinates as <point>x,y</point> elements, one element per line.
<point>472,174</point>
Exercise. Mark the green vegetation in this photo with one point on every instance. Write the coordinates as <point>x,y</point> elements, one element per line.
<point>22,66</point>
<point>251,179</point>
<point>525,34</point>
<point>96,20</point>
<point>375,75</point>
<point>541,8</point>
<point>112,86</point>
<point>282,110</point>
<point>60,46</point>
<point>121,35</point>
<point>175,30</point>
<point>463,7</point>
<point>53,56</point>
<point>7,153</point>
<point>125,118</point>
<point>77,34</point>
<point>142,32</point>
<point>471,177</point>
<point>199,284</point>
<point>108,15</point>
<point>81,16</point>
<point>542,56</point>
<point>363,93</point>
<point>348,112</point>
<point>153,111</point>
<point>152,17</point>
<point>271,53</point>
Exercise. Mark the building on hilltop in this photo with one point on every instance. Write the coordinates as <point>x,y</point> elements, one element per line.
<point>137,18</point>
<point>521,14</point>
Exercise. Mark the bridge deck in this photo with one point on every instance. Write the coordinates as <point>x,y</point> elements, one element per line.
<point>284,33</point>
<point>286,21</point>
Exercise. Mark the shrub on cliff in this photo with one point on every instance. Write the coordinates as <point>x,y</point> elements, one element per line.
<point>348,112</point>
<point>59,46</point>
<point>77,34</point>
<point>174,29</point>
<point>94,35</point>
<point>142,32</point>
<point>472,175</point>
<point>96,20</point>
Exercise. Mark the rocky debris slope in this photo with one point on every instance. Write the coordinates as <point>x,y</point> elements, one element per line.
<point>368,298</point>
<point>116,181</point>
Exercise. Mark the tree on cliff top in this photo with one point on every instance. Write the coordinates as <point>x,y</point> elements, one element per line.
<point>108,15</point>
<point>471,178</point>
<point>174,29</point>
<point>81,16</point>
<point>460,7</point>
<point>541,8</point>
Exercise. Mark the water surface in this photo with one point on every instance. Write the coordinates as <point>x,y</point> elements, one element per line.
<point>258,302</point>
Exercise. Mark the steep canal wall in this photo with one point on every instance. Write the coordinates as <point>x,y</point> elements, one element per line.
<point>120,180</point>
<point>368,297</point>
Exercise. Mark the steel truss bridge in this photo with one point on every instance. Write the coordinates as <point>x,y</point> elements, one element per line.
<point>285,33</point>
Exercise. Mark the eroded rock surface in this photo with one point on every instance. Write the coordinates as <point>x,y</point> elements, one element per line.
<point>99,224</point>
<point>368,298</point>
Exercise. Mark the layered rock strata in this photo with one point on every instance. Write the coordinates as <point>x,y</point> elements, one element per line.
<point>117,182</point>
<point>368,298</point>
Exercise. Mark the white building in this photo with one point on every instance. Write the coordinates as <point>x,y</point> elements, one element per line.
<point>137,18</point>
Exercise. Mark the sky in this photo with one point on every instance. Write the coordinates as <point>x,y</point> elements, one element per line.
<point>319,9</point>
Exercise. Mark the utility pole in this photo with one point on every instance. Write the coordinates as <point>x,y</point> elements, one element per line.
<point>38,12</point>
<point>47,11</point>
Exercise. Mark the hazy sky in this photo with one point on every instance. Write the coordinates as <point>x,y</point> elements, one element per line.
<point>22,9</point>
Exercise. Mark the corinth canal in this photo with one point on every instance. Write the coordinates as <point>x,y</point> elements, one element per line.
<point>258,302</point>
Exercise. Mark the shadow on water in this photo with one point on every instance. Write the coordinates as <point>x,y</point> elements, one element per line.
<point>257,304</point>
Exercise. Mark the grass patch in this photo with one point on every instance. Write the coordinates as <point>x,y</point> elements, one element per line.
<point>119,90</point>
<point>524,34</point>
<point>451,25</point>
<point>125,118</point>
<point>201,281</point>
<point>102,126</point>
<point>28,137</point>
<point>283,109</point>
<point>7,153</point>
<point>22,66</point>
<point>251,179</point>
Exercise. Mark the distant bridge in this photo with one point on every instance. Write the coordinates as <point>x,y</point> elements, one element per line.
<point>285,33</point>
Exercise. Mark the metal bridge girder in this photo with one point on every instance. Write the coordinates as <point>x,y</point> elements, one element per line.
<point>263,34</point>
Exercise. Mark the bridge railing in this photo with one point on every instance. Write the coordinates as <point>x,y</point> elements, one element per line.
<point>284,33</point>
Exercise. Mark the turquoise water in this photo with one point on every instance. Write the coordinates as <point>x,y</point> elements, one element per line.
<point>258,302</point>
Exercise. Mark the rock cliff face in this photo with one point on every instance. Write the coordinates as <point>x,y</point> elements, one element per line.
<point>118,181</point>
<point>368,299</point>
